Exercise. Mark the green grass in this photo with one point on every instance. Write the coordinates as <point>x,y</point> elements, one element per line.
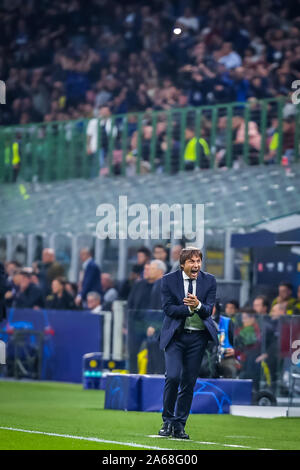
<point>68,409</point>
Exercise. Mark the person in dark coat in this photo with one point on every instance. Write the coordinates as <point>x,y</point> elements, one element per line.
<point>60,299</point>
<point>29,295</point>
<point>91,281</point>
<point>142,298</point>
<point>2,292</point>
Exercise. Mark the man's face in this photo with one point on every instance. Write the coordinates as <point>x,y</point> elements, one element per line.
<point>258,306</point>
<point>47,257</point>
<point>176,253</point>
<point>84,255</point>
<point>159,253</point>
<point>277,312</point>
<point>284,292</point>
<point>141,258</point>
<point>56,286</point>
<point>192,266</point>
<point>24,282</point>
<point>92,303</point>
<point>230,309</point>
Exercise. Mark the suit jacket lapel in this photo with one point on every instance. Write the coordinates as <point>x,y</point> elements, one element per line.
<point>180,290</point>
<point>199,286</point>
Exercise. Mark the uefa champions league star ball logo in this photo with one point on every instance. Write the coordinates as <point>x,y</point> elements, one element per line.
<point>159,221</point>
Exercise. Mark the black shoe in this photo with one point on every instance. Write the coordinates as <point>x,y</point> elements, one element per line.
<point>166,430</point>
<point>179,433</point>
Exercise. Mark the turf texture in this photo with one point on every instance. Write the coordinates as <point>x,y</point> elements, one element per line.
<point>68,411</point>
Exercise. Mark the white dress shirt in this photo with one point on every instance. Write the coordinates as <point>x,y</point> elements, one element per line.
<point>186,279</point>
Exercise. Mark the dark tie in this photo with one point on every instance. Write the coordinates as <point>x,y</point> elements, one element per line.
<point>190,289</point>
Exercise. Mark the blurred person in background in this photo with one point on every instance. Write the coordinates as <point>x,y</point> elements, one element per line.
<point>94,302</point>
<point>110,293</point>
<point>59,299</point>
<point>248,348</point>
<point>261,305</point>
<point>232,307</point>
<point>135,275</point>
<point>160,252</point>
<point>48,269</point>
<point>157,269</point>
<point>285,297</point>
<point>90,277</point>
<point>144,256</point>
<point>227,365</point>
<point>29,295</point>
<point>2,292</point>
<point>175,256</point>
<point>296,308</point>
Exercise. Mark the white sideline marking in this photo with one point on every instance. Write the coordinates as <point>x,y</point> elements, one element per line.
<point>210,443</point>
<point>82,438</point>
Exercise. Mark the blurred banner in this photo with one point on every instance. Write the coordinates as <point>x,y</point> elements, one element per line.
<point>50,344</point>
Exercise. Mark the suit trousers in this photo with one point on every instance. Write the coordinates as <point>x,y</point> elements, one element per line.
<point>183,357</point>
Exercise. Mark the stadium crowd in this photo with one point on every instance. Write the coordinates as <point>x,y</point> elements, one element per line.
<point>249,335</point>
<point>80,60</point>
<point>64,60</point>
<point>45,285</point>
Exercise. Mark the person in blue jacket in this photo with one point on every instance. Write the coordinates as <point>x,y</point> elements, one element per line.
<point>228,365</point>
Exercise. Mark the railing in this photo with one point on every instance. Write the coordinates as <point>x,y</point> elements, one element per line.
<point>225,135</point>
<point>261,348</point>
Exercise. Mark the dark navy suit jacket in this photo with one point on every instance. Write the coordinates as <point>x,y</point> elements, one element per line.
<point>91,280</point>
<point>172,294</point>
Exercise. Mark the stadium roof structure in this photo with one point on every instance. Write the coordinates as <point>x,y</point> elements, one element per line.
<point>242,200</point>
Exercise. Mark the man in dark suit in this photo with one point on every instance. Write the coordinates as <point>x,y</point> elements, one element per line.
<point>91,281</point>
<point>2,292</point>
<point>29,295</point>
<point>188,297</point>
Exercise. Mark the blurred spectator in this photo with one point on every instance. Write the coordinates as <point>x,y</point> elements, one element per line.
<point>59,299</point>
<point>232,307</point>
<point>285,291</point>
<point>248,348</point>
<point>110,294</point>
<point>29,295</point>
<point>151,359</point>
<point>197,151</point>
<point>296,308</point>
<point>175,256</point>
<point>261,305</point>
<point>143,257</point>
<point>72,289</point>
<point>94,302</point>
<point>272,333</point>
<point>95,154</point>
<point>188,20</point>
<point>228,57</point>
<point>48,270</point>
<point>160,252</point>
<point>2,292</point>
<point>121,60</point>
<point>90,277</point>
<point>157,269</point>
<point>227,366</point>
<point>135,274</point>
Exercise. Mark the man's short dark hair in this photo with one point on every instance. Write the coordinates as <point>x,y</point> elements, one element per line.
<point>145,250</point>
<point>265,300</point>
<point>188,253</point>
<point>286,284</point>
<point>233,302</point>
<point>158,245</point>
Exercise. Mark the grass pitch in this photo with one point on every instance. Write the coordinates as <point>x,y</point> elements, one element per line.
<point>64,416</point>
